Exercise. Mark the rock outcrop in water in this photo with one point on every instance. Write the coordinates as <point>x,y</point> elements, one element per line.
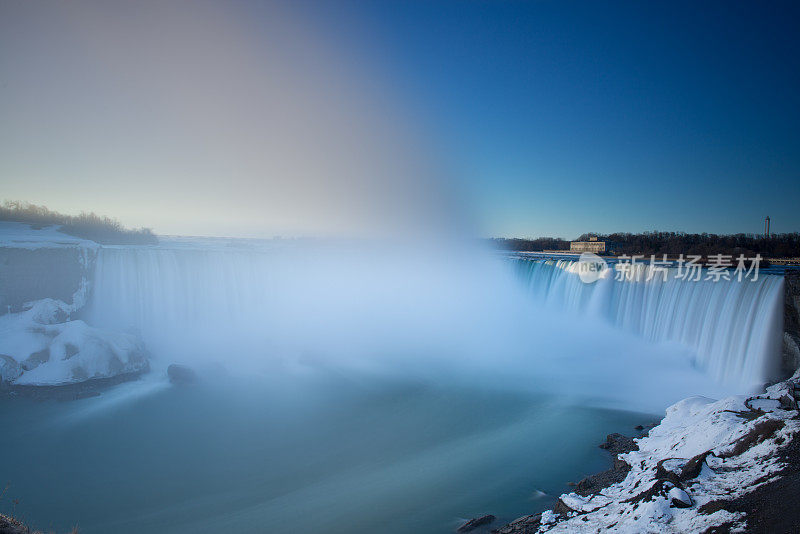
<point>181,374</point>
<point>477,522</point>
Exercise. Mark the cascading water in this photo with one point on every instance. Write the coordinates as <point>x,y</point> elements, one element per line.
<point>733,327</point>
<point>183,294</point>
<point>234,301</point>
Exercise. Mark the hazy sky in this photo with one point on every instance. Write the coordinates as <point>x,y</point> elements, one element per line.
<point>514,118</point>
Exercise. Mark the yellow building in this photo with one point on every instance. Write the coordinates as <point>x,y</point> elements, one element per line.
<point>593,245</point>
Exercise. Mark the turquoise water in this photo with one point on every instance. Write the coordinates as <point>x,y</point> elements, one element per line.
<point>315,452</point>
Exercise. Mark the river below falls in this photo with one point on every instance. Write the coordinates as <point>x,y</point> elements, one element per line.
<point>300,452</point>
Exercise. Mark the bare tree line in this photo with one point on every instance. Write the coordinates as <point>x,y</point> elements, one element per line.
<point>673,244</point>
<point>86,225</point>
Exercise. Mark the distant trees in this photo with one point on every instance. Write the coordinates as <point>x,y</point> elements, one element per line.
<point>675,243</point>
<point>532,245</point>
<point>86,225</point>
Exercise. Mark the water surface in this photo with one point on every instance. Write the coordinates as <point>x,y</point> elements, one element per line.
<point>321,452</point>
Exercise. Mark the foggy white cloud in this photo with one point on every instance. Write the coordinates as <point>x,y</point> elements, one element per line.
<point>200,119</point>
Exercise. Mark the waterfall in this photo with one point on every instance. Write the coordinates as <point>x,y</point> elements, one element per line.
<point>227,299</point>
<point>190,299</point>
<point>255,301</point>
<point>733,327</point>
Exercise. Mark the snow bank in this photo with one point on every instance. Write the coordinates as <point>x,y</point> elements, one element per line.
<point>42,346</point>
<point>703,452</point>
<point>24,235</point>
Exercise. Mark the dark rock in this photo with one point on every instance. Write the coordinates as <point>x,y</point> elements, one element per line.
<point>528,524</point>
<point>472,524</point>
<point>791,324</point>
<point>670,482</point>
<point>73,391</point>
<point>70,350</point>
<point>619,444</point>
<point>9,368</point>
<point>677,503</point>
<point>615,444</point>
<point>79,374</point>
<point>789,400</point>
<point>772,507</point>
<point>759,433</point>
<point>594,483</point>
<point>693,466</point>
<point>562,509</point>
<point>667,475</point>
<point>658,488</point>
<point>87,394</point>
<point>181,374</point>
<point>683,501</point>
<point>639,428</point>
<point>36,359</point>
<point>9,525</point>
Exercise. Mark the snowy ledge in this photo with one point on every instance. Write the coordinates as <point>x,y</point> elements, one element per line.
<point>42,347</point>
<point>31,237</point>
<point>709,466</point>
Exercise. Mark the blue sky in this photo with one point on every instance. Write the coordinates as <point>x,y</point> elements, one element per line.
<point>565,117</point>
<point>547,118</point>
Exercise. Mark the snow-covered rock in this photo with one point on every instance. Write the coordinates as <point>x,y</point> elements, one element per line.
<point>703,453</point>
<point>42,346</point>
<point>679,498</point>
